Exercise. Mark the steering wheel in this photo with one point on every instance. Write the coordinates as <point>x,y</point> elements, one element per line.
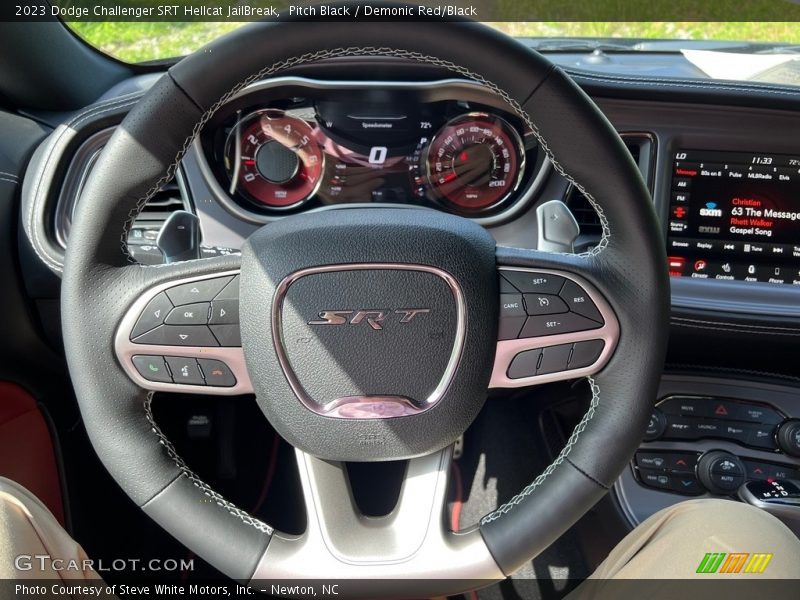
<point>367,334</point>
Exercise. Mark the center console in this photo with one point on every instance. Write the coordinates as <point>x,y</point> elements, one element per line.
<point>707,437</point>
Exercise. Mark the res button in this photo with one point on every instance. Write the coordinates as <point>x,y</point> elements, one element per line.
<point>579,301</point>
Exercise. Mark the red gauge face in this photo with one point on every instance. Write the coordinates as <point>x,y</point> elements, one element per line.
<point>273,159</point>
<point>475,162</point>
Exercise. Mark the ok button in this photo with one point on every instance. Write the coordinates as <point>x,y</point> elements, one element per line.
<point>189,314</point>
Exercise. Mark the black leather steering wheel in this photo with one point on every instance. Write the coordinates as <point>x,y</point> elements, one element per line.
<point>329,390</point>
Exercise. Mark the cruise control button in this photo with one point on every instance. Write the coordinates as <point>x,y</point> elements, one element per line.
<point>185,370</point>
<point>227,335</point>
<point>179,335</point>
<point>585,353</point>
<point>555,324</point>
<point>554,359</point>
<point>189,314</point>
<point>534,283</point>
<point>152,368</point>
<point>153,315</point>
<point>524,364</point>
<point>217,373</point>
<point>197,291</point>
<point>579,301</point>
<point>230,291</point>
<point>224,312</point>
<point>511,306</point>
<point>544,304</point>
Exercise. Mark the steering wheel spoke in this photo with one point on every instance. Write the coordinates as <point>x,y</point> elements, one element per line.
<point>412,542</point>
<point>182,335</point>
<point>553,325</point>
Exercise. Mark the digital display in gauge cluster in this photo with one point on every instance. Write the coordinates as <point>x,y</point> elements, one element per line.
<point>735,216</point>
<point>321,152</point>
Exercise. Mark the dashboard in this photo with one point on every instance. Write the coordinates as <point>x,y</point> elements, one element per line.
<point>296,144</point>
<point>723,174</point>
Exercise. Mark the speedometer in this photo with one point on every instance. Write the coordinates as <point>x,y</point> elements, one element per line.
<point>475,162</point>
<point>273,159</point>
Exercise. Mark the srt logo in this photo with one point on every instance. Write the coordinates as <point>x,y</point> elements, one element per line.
<point>373,318</point>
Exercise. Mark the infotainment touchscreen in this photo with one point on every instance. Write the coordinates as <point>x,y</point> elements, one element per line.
<point>735,216</point>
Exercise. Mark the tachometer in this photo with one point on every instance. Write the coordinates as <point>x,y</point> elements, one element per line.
<point>273,160</point>
<point>475,162</point>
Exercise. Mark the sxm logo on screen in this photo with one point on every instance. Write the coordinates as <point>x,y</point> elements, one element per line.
<point>735,562</point>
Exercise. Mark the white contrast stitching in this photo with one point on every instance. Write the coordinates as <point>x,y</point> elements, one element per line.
<point>368,51</point>
<point>8,180</point>
<point>234,510</point>
<point>11,175</point>
<point>506,508</point>
<point>38,197</point>
<point>415,56</point>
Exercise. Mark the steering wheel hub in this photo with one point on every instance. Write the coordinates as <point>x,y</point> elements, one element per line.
<point>362,333</point>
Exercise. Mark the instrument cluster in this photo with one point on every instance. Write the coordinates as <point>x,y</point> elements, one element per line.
<point>286,150</point>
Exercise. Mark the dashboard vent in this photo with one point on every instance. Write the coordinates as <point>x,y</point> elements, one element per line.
<point>641,147</point>
<point>165,202</point>
<point>171,197</point>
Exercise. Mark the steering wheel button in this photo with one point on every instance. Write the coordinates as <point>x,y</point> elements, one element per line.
<point>185,370</point>
<point>544,304</point>
<point>153,315</point>
<point>511,306</point>
<point>579,301</point>
<point>189,314</point>
<point>554,359</point>
<point>227,335</point>
<point>554,324</point>
<point>217,373</point>
<point>585,353</point>
<point>197,291</point>
<point>224,312</point>
<point>656,426</point>
<point>152,368</point>
<point>524,364</point>
<point>509,327</point>
<point>178,335</point>
<point>534,283</point>
<point>230,291</point>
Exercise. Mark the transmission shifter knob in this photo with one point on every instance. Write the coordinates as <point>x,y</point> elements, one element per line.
<point>778,496</point>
